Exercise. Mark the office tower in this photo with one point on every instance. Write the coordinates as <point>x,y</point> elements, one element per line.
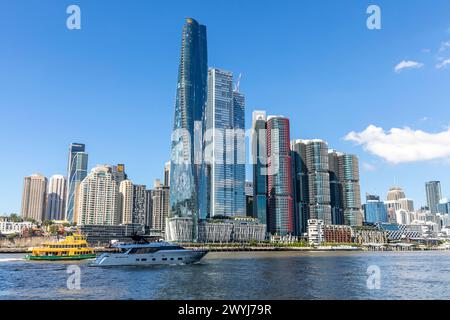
<point>406,204</point>
<point>139,204</point>
<point>349,176</point>
<point>434,195</point>
<point>118,173</point>
<point>336,189</point>
<point>444,206</point>
<point>224,147</point>
<point>76,172</point>
<point>167,174</point>
<point>259,163</point>
<point>34,197</point>
<point>189,106</point>
<point>300,186</point>
<point>249,199</point>
<point>395,194</point>
<point>279,179</point>
<point>374,210</point>
<point>148,208</point>
<point>160,202</point>
<point>126,201</point>
<point>238,114</point>
<point>99,198</point>
<point>56,198</point>
<point>318,180</point>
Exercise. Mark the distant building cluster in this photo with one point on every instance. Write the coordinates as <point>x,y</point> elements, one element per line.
<point>103,197</point>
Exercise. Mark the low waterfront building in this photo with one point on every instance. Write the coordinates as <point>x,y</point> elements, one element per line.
<point>315,231</point>
<point>179,229</point>
<point>238,229</point>
<point>396,232</point>
<point>337,234</point>
<point>8,227</point>
<point>366,235</point>
<point>101,235</point>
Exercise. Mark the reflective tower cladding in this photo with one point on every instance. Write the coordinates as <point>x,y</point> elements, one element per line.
<point>76,172</point>
<point>189,106</point>
<point>224,148</point>
<point>279,179</point>
<point>259,160</point>
<point>434,195</point>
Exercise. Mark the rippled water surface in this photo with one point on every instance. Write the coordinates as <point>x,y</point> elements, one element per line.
<point>324,275</point>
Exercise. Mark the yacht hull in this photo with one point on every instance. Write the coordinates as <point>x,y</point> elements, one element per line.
<point>162,257</point>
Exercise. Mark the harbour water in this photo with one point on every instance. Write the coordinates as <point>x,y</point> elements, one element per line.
<point>242,275</point>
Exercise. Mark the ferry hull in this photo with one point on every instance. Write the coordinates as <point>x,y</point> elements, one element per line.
<point>60,258</point>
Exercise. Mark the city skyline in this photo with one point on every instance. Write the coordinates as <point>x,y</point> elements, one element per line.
<point>374,180</point>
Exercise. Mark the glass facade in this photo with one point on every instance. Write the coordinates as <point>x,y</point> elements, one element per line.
<point>224,146</point>
<point>318,180</point>
<point>259,162</point>
<point>189,106</point>
<point>77,171</point>
<point>375,211</point>
<point>349,176</point>
<point>434,195</point>
<point>279,179</point>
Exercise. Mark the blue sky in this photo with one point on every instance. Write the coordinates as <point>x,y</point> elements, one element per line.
<point>111,85</point>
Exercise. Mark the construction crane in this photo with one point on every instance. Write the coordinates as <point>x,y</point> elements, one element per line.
<point>238,82</point>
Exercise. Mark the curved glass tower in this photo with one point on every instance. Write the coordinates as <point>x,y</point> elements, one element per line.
<point>187,130</point>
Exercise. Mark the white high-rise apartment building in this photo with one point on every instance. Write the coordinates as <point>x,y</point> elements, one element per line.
<point>98,198</point>
<point>56,195</point>
<point>126,200</point>
<point>34,197</point>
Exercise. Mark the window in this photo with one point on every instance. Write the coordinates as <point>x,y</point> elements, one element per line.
<point>164,259</point>
<point>180,258</point>
<point>171,258</point>
<point>154,259</point>
<point>143,259</point>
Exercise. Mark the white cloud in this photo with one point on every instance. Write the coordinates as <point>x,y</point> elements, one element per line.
<point>443,64</point>
<point>368,167</point>
<point>403,145</point>
<point>407,64</point>
<point>444,46</point>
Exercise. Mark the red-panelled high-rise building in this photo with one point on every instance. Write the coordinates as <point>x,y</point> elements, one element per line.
<point>279,178</point>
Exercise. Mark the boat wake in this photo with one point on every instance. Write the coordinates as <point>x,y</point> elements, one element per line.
<point>10,259</point>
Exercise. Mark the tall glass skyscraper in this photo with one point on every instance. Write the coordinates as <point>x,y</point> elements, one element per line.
<point>224,143</point>
<point>76,172</point>
<point>336,189</point>
<point>318,180</point>
<point>259,160</point>
<point>301,187</point>
<point>186,137</point>
<point>279,179</point>
<point>434,195</point>
<point>349,176</point>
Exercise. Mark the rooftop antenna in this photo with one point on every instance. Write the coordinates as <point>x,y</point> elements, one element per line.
<point>238,83</point>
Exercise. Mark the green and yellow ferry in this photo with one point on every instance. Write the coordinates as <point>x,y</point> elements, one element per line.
<point>73,247</point>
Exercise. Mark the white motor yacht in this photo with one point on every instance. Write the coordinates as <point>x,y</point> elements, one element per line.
<point>153,253</point>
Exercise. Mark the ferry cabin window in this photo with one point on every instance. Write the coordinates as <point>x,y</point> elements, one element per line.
<point>164,259</point>
<point>180,258</point>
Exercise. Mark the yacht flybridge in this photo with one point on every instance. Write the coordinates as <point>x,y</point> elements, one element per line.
<point>153,253</point>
